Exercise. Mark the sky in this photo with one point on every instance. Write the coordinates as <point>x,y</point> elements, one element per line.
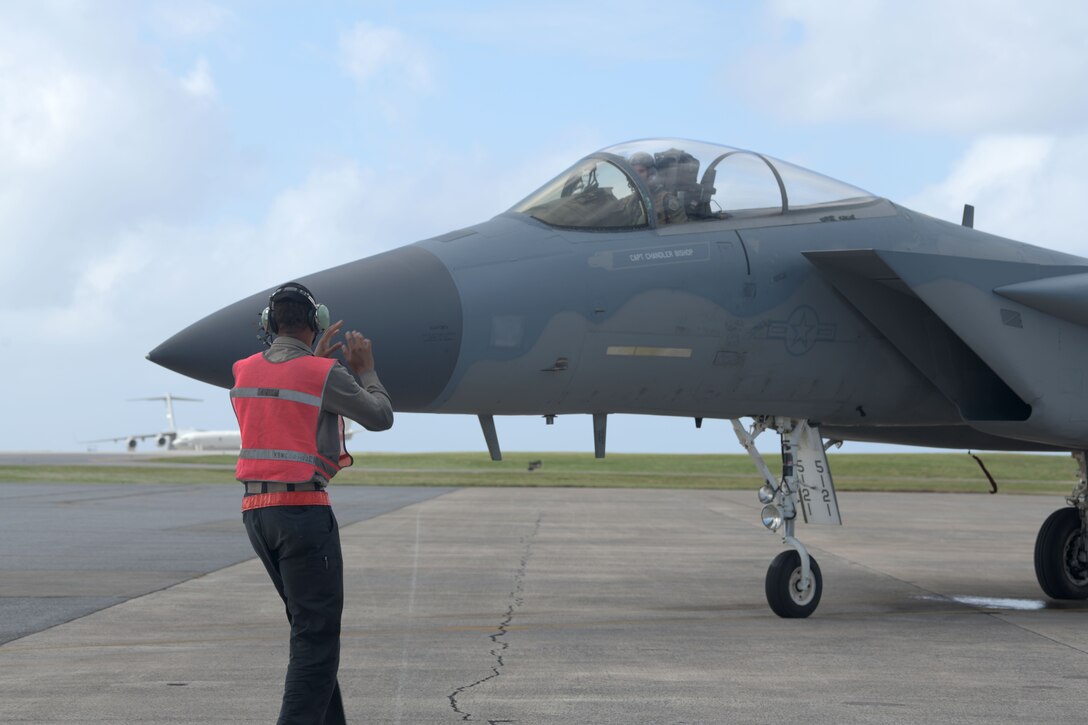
<point>160,160</point>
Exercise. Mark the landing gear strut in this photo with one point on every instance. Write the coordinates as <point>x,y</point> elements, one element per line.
<point>794,582</point>
<point>1061,549</point>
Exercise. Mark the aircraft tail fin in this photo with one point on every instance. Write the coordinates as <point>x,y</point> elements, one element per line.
<point>169,398</point>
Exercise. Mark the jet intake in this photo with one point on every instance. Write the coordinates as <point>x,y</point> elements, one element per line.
<point>884,298</point>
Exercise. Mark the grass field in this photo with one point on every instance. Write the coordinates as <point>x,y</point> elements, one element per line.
<point>1015,473</point>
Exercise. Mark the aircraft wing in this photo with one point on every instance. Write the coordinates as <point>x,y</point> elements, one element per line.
<point>161,439</point>
<point>117,439</point>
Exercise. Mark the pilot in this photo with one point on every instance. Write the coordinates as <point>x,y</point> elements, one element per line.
<point>667,206</point>
<point>644,165</point>
<point>291,401</point>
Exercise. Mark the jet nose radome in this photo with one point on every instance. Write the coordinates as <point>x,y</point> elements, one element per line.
<point>404,300</point>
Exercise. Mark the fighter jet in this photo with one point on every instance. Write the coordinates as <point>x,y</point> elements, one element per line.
<point>682,278</point>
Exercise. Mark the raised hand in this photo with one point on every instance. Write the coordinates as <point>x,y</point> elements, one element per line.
<point>359,352</point>
<point>325,346</point>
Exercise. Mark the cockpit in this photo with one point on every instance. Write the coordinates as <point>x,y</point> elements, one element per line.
<point>661,182</point>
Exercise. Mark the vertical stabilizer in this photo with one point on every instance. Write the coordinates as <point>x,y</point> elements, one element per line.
<point>171,426</point>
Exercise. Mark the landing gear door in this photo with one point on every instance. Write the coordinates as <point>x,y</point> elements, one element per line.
<point>812,474</point>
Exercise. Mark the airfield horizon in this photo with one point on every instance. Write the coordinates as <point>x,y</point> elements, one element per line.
<point>922,472</point>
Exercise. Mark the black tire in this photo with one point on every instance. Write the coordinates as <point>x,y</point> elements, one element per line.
<point>1061,562</point>
<point>783,576</point>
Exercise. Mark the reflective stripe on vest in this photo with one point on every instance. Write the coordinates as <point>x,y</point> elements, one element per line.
<point>279,393</point>
<point>295,456</point>
<point>279,407</point>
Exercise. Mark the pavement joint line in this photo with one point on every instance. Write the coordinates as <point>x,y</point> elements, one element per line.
<point>975,608</point>
<point>413,584</point>
<point>167,488</point>
<point>1002,616</point>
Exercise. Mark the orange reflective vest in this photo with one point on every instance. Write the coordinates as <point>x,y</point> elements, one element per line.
<point>278,407</point>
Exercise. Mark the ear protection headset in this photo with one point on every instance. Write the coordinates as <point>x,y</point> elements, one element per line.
<point>317,316</point>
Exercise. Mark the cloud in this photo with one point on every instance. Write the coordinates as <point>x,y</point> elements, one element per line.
<point>1003,66</point>
<point>1026,187</point>
<point>374,54</point>
<point>42,98</point>
<point>618,31</point>
<point>199,81</point>
<point>393,71</point>
<point>188,18</point>
<point>97,295</point>
<point>96,141</point>
<point>127,214</point>
<point>997,75</point>
<point>167,273</point>
<point>344,210</point>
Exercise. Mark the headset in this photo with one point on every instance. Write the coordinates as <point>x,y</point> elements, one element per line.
<point>317,316</point>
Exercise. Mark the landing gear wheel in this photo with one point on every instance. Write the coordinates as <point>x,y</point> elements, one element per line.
<point>1061,561</point>
<point>784,592</point>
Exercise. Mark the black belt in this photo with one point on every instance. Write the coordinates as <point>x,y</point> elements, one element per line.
<point>276,487</point>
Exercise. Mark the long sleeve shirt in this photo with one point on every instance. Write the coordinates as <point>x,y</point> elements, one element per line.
<point>361,398</point>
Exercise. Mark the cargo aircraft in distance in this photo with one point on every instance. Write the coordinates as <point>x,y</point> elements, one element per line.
<point>173,439</point>
<point>681,278</point>
<point>190,439</point>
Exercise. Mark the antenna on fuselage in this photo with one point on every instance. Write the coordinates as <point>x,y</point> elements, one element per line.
<point>968,216</point>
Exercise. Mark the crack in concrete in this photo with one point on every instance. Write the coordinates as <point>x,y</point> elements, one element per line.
<point>516,599</point>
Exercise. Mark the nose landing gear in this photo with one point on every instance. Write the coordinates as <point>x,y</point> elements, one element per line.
<point>794,582</point>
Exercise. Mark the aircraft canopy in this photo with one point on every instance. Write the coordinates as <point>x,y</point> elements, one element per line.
<point>658,182</point>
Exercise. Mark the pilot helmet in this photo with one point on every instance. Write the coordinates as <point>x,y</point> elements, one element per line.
<point>641,158</point>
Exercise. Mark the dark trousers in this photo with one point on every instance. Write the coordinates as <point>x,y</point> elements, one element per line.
<point>300,548</point>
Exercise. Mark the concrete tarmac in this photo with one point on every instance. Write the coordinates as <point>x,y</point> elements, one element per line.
<point>617,607</point>
<point>72,549</point>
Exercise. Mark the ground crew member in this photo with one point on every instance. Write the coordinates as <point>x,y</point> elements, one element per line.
<point>291,402</point>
